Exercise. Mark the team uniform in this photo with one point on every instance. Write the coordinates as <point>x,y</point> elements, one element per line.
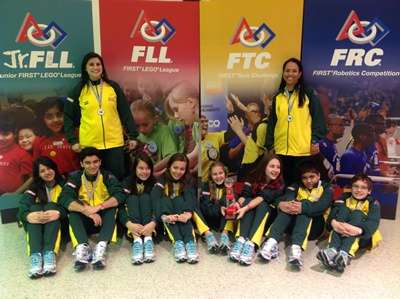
<point>43,239</point>
<point>314,203</point>
<point>15,163</point>
<point>291,129</point>
<point>139,208</point>
<point>92,191</point>
<point>364,214</point>
<point>172,199</point>
<point>101,126</point>
<point>59,150</point>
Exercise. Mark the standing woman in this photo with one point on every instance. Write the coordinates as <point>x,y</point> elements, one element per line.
<point>40,214</point>
<point>98,107</point>
<point>296,122</point>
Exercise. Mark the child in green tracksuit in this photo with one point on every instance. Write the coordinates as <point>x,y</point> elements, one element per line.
<point>301,204</point>
<point>40,215</point>
<point>174,205</point>
<point>138,215</point>
<point>258,196</point>
<point>354,220</point>
<point>91,196</point>
<point>209,213</point>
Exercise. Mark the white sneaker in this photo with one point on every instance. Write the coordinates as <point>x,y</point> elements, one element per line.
<point>295,256</point>
<point>99,256</point>
<point>137,252</point>
<point>269,250</point>
<point>83,254</point>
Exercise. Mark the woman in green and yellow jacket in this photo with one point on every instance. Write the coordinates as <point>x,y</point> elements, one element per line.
<point>296,122</point>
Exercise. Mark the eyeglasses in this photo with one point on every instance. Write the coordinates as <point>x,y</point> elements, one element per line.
<point>359,187</point>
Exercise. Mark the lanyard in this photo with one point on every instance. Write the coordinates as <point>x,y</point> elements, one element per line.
<point>90,191</point>
<point>288,95</point>
<point>48,193</point>
<point>99,96</point>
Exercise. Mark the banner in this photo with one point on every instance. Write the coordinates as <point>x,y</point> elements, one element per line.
<point>242,52</point>
<point>350,55</point>
<point>155,57</point>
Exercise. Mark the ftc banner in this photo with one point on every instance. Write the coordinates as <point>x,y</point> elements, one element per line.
<point>42,45</point>
<point>155,57</point>
<point>352,60</point>
<point>242,52</point>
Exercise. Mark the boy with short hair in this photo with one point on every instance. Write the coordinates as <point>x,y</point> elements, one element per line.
<point>301,204</point>
<point>354,220</point>
<point>91,196</point>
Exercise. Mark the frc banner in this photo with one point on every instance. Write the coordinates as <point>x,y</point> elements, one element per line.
<point>242,52</point>
<point>352,61</point>
<point>42,46</point>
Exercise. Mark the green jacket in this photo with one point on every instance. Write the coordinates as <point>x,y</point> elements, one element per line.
<point>72,190</point>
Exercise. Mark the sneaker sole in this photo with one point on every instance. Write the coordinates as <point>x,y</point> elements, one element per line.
<point>98,266</point>
<point>296,263</point>
<point>149,260</point>
<point>137,263</point>
<point>35,276</point>
<point>213,250</point>
<point>192,262</point>
<point>49,273</point>
<point>223,250</point>
<point>234,259</point>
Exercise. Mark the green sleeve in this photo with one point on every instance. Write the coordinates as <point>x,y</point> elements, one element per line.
<point>336,207</point>
<point>72,115</point>
<point>123,214</point>
<point>114,187</point>
<point>318,126</point>
<point>272,119</point>
<point>70,190</point>
<point>25,203</point>
<point>316,208</point>
<point>124,112</point>
<point>371,222</point>
<point>247,191</point>
<point>168,145</point>
<point>190,199</point>
<point>271,196</point>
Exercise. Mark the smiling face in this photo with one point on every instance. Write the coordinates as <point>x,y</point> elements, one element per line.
<point>46,173</point>
<point>94,68</point>
<point>291,74</point>
<point>273,169</point>
<point>54,119</point>
<point>25,138</point>
<point>177,169</point>
<point>360,190</point>
<point>218,174</point>
<point>91,165</point>
<point>143,170</point>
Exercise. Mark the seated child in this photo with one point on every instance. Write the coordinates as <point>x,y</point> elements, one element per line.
<point>354,220</point>
<point>301,203</point>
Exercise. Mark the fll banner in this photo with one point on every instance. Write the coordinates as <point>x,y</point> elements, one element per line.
<point>42,46</point>
<point>155,57</point>
<point>352,60</point>
<point>242,52</point>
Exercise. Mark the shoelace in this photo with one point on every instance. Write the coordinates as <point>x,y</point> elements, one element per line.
<point>137,246</point>
<point>36,260</point>
<point>179,246</point>
<point>191,247</point>
<point>49,258</point>
<point>246,249</point>
<point>211,239</point>
<point>148,246</point>
<point>100,251</point>
<point>237,246</point>
<point>82,252</point>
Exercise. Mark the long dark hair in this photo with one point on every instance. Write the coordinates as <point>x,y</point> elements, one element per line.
<point>39,186</point>
<point>44,105</point>
<point>300,83</point>
<point>169,180</point>
<point>84,74</point>
<point>149,183</point>
<point>259,178</point>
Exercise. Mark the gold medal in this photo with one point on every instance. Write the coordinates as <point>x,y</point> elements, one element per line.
<point>289,118</point>
<point>100,112</point>
<point>53,153</point>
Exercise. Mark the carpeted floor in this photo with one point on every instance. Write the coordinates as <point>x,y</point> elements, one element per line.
<point>375,275</point>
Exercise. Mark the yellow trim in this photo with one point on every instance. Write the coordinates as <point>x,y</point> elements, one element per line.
<point>305,242</point>
<point>376,238</point>
<point>229,226</point>
<point>201,226</point>
<point>58,242</point>
<point>237,235</point>
<point>354,247</point>
<point>259,232</point>
<point>170,235</point>
<point>74,241</point>
<point>28,248</point>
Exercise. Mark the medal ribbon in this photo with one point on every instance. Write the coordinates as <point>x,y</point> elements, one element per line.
<point>99,96</point>
<point>90,191</point>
